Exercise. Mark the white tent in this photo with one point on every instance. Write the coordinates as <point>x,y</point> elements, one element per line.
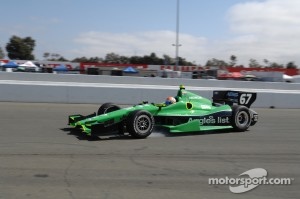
<point>29,65</point>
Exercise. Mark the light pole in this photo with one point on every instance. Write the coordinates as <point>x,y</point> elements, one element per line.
<point>177,45</point>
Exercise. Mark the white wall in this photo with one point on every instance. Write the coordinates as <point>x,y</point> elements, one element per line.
<point>26,87</point>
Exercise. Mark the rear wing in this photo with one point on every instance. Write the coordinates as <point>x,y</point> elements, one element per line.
<point>234,97</point>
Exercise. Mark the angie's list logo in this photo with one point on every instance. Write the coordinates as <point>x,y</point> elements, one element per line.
<point>249,180</point>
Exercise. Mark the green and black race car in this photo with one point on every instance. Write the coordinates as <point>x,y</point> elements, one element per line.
<point>190,113</point>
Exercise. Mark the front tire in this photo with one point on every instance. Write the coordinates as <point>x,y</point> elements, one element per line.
<point>241,118</point>
<point>140,124</point>
<point>110,107</point>
<point>107,108</point>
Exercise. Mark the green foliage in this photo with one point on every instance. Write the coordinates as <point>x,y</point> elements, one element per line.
<point>253,63</point>
<point>80,59</point>
<point>266,62</point>
<point>46,55</point>
<point>233,60</point>
<point>276,65</point>
<point>84,59</point>
<point>183,62</point>
<point>291,65</point>
<point>151,59</point>
<point>216,62</point>
<point>112,58</point>
<point>53,57</point>
<point>2,55</point>
<point>20,48</point>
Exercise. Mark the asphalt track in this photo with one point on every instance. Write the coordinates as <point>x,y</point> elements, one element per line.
<point>40,157</point>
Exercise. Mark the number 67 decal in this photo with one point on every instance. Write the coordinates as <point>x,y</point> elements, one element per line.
<point>245,98</point>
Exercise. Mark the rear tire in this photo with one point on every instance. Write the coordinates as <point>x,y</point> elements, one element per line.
<point>107,108</point>
<point>140,124</point>
<point>241,118</point>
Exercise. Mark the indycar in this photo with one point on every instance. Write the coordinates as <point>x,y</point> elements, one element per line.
<point>191,113</point>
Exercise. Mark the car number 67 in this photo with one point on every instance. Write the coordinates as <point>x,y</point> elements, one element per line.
<point>245,98</point>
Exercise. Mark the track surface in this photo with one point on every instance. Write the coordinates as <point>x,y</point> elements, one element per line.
<point>41,158</point>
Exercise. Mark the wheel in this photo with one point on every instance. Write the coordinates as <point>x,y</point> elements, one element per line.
<point>241,118</point>
<point>110,107</point>
<point>140,124</point>
<point>107,108</point>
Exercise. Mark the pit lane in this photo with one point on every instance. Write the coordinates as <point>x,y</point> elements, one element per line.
<point>42,158</point>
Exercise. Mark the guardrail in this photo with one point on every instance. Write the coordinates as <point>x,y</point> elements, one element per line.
<point>54,88</point>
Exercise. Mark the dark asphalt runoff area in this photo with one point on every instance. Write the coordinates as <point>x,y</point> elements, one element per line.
<point>41,157</point>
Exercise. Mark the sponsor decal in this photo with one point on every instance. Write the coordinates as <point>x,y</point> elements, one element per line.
<point>256,177</point>
<point>223,120</point>
<point>212,120</point>
<point>203,106</point>
<point>195,97</point>
<point>232,94</point>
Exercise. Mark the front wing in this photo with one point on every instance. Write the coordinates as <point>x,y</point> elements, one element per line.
<point>92,129</point>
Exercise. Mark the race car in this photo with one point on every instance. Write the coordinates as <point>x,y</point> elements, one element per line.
<point>189,113</point>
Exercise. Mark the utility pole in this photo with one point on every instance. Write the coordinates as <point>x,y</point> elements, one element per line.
<point>177,45</point>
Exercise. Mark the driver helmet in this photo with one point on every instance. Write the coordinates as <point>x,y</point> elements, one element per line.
<point>170,100</point>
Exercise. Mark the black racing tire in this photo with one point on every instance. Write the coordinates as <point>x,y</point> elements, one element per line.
<point>241,118</point>
<point>140,124</point>
<point>107,108</point>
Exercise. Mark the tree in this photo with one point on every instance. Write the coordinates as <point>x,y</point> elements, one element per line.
<point>46,55</point>
<point>155,60</point>
<point>124,60</point>
<point>168,60</point>
<point>135,60</point>
<point>291,65</point>
<point>183,62</point>
<point>216,62</point>
<point>233,60</point>
<point>152,59</point>
<point>253,63</point>
<point>61,58</point>
<point>53,57</point>
<point>2,55</point>
<point>266,62</point>
<point>20,48</point>
<point>112,58</point>
<point>276,65</point>
<point>80,59</point>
